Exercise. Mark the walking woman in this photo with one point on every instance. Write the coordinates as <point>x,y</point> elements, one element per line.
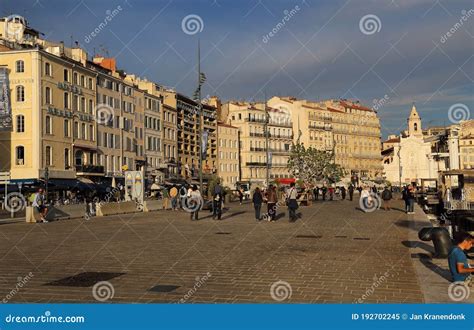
<point>292,202</point>
<point>257,200</point>
<point>195,194</point>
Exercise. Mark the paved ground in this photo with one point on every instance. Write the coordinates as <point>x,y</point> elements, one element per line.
<point>334,253</point>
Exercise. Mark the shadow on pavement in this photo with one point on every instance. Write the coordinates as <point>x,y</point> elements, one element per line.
<point>426,261</point>
<point>422,245</point>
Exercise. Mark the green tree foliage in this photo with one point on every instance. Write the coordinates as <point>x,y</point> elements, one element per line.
<point>312,165</point>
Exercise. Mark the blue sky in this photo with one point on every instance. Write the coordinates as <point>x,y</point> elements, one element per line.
<point>321,52</point>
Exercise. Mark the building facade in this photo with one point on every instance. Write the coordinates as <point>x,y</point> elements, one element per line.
<point>228,154</point>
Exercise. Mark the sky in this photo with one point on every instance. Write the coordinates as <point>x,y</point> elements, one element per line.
<point>385,53</point>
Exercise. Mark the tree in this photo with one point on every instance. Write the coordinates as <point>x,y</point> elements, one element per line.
<point>312,165</point>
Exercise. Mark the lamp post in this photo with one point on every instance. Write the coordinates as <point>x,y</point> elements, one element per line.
<point>197,98</point>
<point>399,168</point>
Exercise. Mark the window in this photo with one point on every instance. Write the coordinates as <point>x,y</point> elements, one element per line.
<point>48,156</point>
<point>20,66</point>
<point>415,127</point>
<point>91,132</point>
<point>20,93</point>
<point>83,104</point>
<point>76,130</point>
<point>66,75</point>
<point>91,107</point>
<point>20,123</point>
<point>66,128</point>
<point>67,163</point>
<point>83,131</point>
<point>74,78</point>
<point>90,83</point>
<point>66,100</point>
<point>47,69</point>
<point>49,125</point>
<point>83,81</point>
<point>48,96</point>
<point>20,155</point>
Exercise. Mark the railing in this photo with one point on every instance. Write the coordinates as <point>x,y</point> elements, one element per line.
<point>257,134</point>
<point>255,120</point>
<point>255,164</point>
<point>458,205</point>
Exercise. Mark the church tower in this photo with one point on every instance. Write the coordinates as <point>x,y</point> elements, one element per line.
<point>414,123</point>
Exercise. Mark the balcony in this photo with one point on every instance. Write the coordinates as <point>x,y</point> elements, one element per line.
<point>257,149</point>
<point>257,134</point>
<point>280,136</point>
<point>287,124</point>
<point>256,164</point>
<point>255,120</point>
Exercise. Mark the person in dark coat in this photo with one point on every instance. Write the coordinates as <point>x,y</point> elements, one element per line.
<point>257,200</point>
<point>343,193</point>
<point>351,191</point>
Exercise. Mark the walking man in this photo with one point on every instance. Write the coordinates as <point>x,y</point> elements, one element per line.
<point>271,202</point>
<point>40,205</point>
<point>292,203</point>
<point>351,191</point>
<point>386,197</point>
<point>257,200</point>
<point>343,193</point>
<point>166,198</point>
<point>174,198</point>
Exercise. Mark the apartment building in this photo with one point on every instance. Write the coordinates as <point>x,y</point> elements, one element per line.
<point>228,160</point>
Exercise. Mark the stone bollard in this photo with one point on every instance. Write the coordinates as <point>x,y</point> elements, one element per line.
<point>441,240</point>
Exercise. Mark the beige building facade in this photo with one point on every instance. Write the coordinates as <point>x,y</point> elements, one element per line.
<point>228,159</point>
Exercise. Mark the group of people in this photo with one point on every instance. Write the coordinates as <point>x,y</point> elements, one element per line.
<point>408,195</point>
<point>270,196</point>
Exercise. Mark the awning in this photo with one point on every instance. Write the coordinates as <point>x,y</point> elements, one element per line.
<point>285,180</point>
<point>71,184</point>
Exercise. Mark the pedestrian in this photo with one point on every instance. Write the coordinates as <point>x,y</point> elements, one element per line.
<point>411,199</point>
<point>174,198</point>
<point>386,197</point>
<point>166,198</point>
<point>324,190</point>
<point>343,193</point>
<point>257,200</point>
<point>331,193</point>
<point>457,260</point>
<point>217,199</point>
<point>271,203</point>
<point>366,198</point>
<point>291,201</point>
<point>316,193</point>
<point>241,195</point>
<point>195,194</point>
<point>40,204</point>
<point>351,191</point>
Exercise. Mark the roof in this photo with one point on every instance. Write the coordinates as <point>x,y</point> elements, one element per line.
<point>355,106</point>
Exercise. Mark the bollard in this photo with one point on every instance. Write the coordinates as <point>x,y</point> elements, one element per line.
<point>441,240</point>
